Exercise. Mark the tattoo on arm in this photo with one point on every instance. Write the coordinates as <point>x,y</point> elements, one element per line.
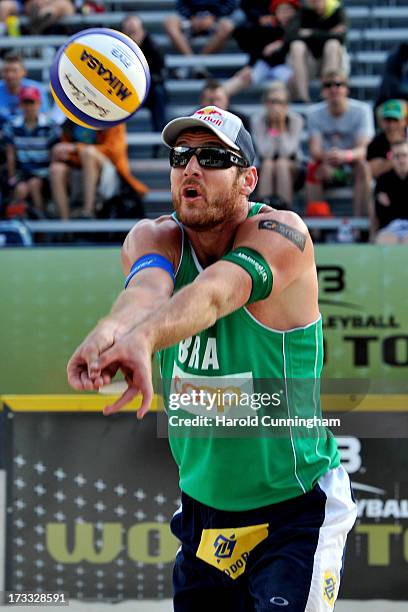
<point>286,231</point>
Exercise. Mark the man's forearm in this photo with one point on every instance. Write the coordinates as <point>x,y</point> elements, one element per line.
<point>359,153</point>
<point>188,312</point>
<point>131,308</point>
<point>193,309</point>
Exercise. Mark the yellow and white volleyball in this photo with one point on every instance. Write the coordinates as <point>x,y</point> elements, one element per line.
<point>99,78</point>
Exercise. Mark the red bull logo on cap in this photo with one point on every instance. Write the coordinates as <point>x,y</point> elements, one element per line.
<point>210,114</point>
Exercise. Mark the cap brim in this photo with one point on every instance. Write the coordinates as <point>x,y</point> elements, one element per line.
<point>392,115</point>
<point>174,128</point>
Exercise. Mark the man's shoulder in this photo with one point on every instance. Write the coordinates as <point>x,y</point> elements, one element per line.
<point>267,216</point>
<point>378,139</point>
<point>317,110</point>
<point>44,121</point>
<point>280,236</point>
<point>357,106</point>
<point>15,123</point>
<point>160,236</point>
<point>162,226</point>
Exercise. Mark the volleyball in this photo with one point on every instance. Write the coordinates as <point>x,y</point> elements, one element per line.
<point>99,78</point>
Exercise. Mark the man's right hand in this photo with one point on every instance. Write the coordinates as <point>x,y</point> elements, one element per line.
<point>81,371</point>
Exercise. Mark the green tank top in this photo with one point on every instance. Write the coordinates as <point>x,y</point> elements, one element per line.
<point>250,466</point>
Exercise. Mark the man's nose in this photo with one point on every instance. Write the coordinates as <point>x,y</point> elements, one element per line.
<point>193,167</point>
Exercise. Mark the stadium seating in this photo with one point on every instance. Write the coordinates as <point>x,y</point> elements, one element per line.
<point>374,29</point>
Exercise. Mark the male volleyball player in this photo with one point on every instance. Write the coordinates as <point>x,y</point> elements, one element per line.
<point>228,288</point>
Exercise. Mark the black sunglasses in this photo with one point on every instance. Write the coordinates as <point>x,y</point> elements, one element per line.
<point>328,84</point>
<point>207,157</point>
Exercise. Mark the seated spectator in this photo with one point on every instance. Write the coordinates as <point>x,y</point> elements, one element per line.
<point>214,94</point>
<point>28,142</point>
<point>97,154</point>
<point>394,83</point>
<point>8,8</point>
<point>13,80</point>
<point>197,17</point>
<point>393,119</point>
<point>43,14</point>
<point>132,26</point>
<point>339,130</point>
<point>391,208</point>
<point>268,44</point>
<point>276,132</point>
<point>319,47</point>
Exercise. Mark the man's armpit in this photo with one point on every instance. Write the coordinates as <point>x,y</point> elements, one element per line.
<point>292,234</point>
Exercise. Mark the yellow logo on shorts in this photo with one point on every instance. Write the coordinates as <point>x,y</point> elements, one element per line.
<point>329,588</point>
<point>228,549</point>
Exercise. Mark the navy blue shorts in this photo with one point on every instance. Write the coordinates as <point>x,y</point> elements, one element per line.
<point>286,556</point>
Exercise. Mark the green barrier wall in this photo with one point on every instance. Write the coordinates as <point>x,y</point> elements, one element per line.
<point>50,298</point>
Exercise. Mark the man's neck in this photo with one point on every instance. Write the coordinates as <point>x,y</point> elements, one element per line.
<point>14,89</point>
<point>31,123</point>
<point>338,107</point>
<point>212,245</point>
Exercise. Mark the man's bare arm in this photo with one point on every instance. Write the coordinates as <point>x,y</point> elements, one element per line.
<point>146,292</point>
<point>224,287</point>
<point>360,149</point>
<point>316,147</point>
<point>219,290</point>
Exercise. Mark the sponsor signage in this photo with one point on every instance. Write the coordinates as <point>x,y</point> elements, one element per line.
<point>55,296</point>
<point>89,501</point>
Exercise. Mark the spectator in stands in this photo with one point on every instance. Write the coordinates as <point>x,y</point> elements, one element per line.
<point>197,17</point>
<point>393,119</point>
<point>268,44</point>
<point>29,139</point>
<point>214,94</point>
<point>276,131</point>
<point>14,79</point>
<point>395,78</point>
<point>339,130</point>
<point>391,208</point>
<point>8,8</point>
<point>319,47</point>
<point>156,99</point>
<point>97,154</point>
<point>43,14</point>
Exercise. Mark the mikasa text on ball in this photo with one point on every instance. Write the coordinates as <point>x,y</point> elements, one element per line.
<point>99,78</point>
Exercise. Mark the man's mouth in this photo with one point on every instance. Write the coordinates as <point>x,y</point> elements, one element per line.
<point>191,192</point>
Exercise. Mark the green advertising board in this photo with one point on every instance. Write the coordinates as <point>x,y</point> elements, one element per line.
<point>50,298</point>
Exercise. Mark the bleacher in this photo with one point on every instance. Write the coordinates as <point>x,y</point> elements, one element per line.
<point>374,30</point>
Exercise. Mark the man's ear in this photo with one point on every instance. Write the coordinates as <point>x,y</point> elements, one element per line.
<point>250,181</point>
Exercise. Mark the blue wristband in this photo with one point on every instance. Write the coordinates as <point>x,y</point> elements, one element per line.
<point>151,260</point>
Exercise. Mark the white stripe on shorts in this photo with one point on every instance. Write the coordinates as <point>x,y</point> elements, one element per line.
<point>340,516</point>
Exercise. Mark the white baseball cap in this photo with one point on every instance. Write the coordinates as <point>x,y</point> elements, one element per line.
<point>227,126</point>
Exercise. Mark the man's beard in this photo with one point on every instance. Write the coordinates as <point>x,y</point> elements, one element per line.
<point>216,211</point>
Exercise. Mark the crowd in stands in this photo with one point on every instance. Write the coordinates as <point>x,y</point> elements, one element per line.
<point>49,163</point>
